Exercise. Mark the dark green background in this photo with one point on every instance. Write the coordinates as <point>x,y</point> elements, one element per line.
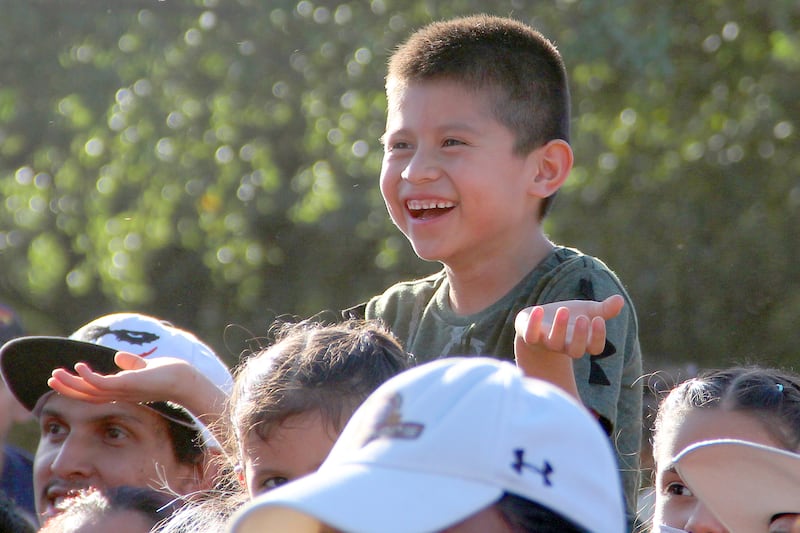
<point>216,163</point>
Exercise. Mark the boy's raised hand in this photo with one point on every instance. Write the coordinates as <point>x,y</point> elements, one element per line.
<point>549,336</point>
<point>572,327</point>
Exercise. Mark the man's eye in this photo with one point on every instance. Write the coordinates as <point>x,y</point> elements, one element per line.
<point>115,433</point>
<point>679,489</point>
<point>53,429</point>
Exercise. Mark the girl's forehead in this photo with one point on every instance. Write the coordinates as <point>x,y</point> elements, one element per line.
<point>688,426</point>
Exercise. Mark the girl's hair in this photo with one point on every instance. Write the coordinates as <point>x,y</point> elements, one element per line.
<point>312,367</point>
<point>771,395</point>
<point>206,512</point>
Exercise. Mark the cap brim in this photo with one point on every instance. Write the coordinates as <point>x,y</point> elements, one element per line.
<point>361,498</point>
<point>28,362</point>
<point>743,483</point>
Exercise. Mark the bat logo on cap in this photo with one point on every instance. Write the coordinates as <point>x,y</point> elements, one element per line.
<point>134,338</point>
<point>389,423</point>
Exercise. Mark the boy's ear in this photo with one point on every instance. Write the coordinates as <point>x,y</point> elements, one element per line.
<point>552,164</point>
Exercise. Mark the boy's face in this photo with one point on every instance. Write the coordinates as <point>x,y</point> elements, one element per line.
<point>291,450</point>
<point>676,506</point>
<point>450,178</point>
<point>107,445</point>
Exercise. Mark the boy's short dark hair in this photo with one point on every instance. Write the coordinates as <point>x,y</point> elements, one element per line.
<point>313,367</point>
<point>520,69</point>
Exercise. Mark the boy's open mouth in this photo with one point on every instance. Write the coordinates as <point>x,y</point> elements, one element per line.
<point>427,209</point>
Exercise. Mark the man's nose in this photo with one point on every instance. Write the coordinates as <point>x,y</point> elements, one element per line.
<point>72,459</point>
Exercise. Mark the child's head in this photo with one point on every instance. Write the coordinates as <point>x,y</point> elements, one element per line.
<point>303,389</point>
<point>458,444</point>
<point>515,66</point>
<point>748,486</point>
<point>759,405</point>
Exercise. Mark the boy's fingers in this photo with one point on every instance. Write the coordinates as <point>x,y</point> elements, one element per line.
<point>597,336</point>
<point>576,346</point>
<point>557,338</point>
<point>611,306</point>
<point>528,323</point>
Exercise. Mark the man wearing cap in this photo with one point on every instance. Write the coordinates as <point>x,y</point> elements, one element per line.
<point>105,445</point>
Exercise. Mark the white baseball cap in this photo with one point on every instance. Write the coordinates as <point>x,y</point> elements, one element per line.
<point>744,484</point>
<point>27,362</point>
<point>442,441</point>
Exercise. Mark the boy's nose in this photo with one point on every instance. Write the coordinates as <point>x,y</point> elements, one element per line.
<point>421,167</point>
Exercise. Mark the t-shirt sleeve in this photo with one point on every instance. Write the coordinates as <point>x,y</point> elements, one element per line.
<point>602,379</point>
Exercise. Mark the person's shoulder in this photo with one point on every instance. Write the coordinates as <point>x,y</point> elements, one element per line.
<point>571,260</point>
<point>402,289</point>
<point>576,275</point>
<point>403,293</point>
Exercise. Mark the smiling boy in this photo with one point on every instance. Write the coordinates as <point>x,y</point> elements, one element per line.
<point>475,149</point>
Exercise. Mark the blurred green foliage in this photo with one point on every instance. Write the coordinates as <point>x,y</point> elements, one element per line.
<point>216,162</point>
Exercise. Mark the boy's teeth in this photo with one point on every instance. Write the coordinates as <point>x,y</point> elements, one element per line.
<point>429,204</point>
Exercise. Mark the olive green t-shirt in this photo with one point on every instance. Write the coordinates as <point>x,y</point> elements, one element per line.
<point>418,312</point>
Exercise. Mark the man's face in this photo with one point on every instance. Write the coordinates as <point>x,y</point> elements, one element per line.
<point>105,445</point>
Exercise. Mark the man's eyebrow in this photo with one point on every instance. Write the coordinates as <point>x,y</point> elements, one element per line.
<point>115,416</point>
<point>119,417</point>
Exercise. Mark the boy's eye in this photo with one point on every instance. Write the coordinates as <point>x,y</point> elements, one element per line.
<point>452,142</point>
<point>399,145</point>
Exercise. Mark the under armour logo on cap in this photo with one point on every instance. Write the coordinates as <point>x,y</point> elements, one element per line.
<point>519,464</point>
